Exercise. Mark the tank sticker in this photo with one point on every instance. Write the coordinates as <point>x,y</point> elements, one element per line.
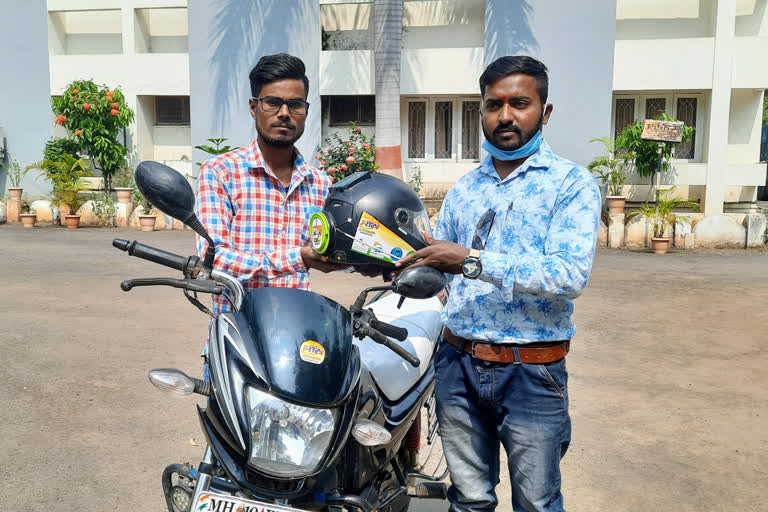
<point>376,241</point>
<point>312,352</point>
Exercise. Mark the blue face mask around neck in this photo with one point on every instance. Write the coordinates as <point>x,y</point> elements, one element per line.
<point>527,150</point>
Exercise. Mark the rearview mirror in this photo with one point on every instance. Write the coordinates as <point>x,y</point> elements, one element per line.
<point>169,192</point>
<point>419,282</point>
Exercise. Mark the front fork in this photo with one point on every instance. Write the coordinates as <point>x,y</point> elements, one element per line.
<point>204,475</point>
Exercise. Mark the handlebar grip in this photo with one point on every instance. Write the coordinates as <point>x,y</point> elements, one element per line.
<point>393,331</point>
<point>152,254</point>
<point>394,347</point>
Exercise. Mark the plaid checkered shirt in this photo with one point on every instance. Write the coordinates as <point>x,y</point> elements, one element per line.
<point>257,224</point>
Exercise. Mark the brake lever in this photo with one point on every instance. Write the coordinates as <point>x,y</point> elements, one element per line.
<point>194,285</point>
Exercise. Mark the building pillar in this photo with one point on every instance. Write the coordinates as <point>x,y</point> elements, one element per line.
<point>720,107</point>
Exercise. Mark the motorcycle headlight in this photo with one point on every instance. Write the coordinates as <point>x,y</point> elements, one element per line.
<point>287,440</point>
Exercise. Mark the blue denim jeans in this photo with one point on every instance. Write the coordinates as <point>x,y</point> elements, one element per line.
<point>523,407</point>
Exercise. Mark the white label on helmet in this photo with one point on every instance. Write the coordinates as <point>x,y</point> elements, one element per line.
<point>376,241</point>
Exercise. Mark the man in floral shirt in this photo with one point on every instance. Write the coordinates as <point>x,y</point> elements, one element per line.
<point>520,233</point>
<point>255,201</point>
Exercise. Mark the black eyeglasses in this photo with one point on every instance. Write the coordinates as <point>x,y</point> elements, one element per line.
<point>273,104</point>
<point>483,229</point>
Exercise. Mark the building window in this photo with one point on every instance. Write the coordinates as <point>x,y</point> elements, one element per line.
<point>470,130</point>
<point>347,109</point>
<point>686,112</point>
<point>442,128</point>
<point>654,107</point>
<point>443,132</point>
<point>172,110</point>
<point>625,114</point>
<point>417,129</point>
<point>629,108</point>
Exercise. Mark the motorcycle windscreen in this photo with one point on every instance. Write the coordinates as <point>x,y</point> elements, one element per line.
<point>305,343</point>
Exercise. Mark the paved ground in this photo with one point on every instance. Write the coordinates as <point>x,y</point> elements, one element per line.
<point>667,377</point>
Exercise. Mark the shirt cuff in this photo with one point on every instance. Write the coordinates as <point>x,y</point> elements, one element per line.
<point>495,267</point>
<point>294,261</point>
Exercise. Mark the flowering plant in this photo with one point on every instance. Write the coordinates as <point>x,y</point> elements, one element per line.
<point>342,157</point>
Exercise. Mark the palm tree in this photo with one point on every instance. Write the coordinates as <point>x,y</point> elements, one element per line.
<point>388,30</point>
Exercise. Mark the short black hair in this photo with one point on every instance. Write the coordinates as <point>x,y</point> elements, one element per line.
<point>505,66</point>
<point>280,66</point>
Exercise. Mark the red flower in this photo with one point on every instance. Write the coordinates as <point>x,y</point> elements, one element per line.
<point>109,94</point>
<point>343,167</point>
<point>367,146</point>
<point>78,131</point>
<point>357,129</point>
<point>86,106</point>
<point>328,150</point>
<point>331,170</point>
<point>113,111</point>
<point>350,160</point>
<point>351,150</point>
<point>75,91</point>
<point>347,142</point>
<point>72,99</point>
<point>317,156</point>
<point>115,105</point>
<point>323,162</point>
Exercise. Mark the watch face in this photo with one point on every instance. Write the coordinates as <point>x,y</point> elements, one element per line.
<point>471,268</point>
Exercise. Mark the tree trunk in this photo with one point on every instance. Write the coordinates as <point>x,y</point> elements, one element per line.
<point>388,29</point>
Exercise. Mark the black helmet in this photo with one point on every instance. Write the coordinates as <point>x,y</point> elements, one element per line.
<point>370,219</point>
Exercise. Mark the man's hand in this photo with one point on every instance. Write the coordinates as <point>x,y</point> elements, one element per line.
<point>445,256</point>
<point>314,260</point>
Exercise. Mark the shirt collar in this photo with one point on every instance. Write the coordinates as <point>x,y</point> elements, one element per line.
<point>541,159</point>
<point>254,160</point>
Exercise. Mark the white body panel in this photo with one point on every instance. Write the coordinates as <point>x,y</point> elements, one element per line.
<point>393,374</point>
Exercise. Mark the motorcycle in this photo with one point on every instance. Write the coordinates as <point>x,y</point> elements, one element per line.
<point>310,405</point>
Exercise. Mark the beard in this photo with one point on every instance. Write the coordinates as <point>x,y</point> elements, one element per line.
<point>281,142</point>
<point>511,146</point>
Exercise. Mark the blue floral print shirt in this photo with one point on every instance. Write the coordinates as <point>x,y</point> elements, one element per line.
<point>539,230</point>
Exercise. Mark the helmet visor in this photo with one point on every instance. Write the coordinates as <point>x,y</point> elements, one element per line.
<point>414,223</point>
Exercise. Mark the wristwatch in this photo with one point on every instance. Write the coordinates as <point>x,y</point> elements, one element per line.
<point>472,268</point>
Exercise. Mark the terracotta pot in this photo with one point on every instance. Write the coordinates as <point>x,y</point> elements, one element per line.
<point>73,221</point>
<point>15,192</point>
<point>28,219</point>
<point>659,245</point>
<point>616,203</point>
<point>147,222</point>
<point>14,204</point>
<point>123,194</point>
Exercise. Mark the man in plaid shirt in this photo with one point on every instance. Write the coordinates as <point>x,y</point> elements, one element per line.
<point>255,201</point>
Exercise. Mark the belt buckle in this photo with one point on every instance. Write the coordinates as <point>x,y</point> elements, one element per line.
<point>472,351</point>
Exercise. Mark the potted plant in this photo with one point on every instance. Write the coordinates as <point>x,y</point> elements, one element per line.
<point>660,216</point>
<point>27,215</point>
<point>124,184</point>
<point>340,157</point>
<point>146,220</point>
<point>66,174</point>
<point>612,170</point>
<point>15,173</point>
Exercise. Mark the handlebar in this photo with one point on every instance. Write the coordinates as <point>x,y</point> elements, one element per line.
<point>175,261</point>
<point>393,331</point>
<point>378,337</point>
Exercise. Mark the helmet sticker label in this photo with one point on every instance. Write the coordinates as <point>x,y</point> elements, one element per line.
<point>312,352</point>
<point>376,241</point>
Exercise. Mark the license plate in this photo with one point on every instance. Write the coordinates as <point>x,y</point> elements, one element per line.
<point>213,502</point>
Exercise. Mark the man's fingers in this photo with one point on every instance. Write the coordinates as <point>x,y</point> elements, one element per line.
<point>428,238</point>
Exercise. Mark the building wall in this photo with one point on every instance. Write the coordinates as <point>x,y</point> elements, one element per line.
<point>25,111</point>
<point>576,42</point>
<point>136,45</point>
<point>226,40</point>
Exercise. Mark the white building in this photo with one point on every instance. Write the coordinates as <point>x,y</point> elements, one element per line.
<point>703,61</point>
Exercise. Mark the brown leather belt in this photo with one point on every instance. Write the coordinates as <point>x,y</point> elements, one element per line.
<point>548,352</point>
